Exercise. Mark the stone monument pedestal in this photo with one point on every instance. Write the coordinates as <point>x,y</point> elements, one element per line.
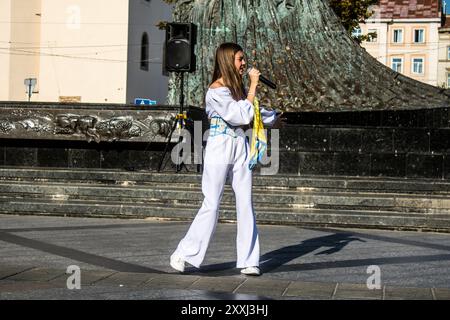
<point>88,135</point>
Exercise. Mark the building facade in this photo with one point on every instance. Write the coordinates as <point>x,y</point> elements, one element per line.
<point>104,51</point>
<point>444,54</point>
<point>407,37</point>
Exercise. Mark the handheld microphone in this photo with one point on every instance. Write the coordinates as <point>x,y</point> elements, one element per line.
<point>264,80</point>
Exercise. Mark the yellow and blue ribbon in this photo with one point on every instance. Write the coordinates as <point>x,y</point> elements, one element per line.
<point>259,140</point>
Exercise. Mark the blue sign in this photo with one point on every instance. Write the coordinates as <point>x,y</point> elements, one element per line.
<point>144,102</point>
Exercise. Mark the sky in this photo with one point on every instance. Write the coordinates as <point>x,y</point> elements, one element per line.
<point>448,6</point>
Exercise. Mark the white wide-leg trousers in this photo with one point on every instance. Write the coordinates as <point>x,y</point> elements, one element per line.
<point>224,155</point>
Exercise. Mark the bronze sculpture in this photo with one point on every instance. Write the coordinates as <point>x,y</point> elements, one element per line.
<point>304,47</point>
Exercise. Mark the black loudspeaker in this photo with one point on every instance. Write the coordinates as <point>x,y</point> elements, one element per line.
<point>179,53</point>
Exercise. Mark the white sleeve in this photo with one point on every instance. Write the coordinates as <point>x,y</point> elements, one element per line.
<point>268,116</point>
<point>236,113</point>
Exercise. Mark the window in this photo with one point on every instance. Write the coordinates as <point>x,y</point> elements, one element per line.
<point>144,52</point>
<point>417,65</point>
<point>357,32</point>
<point>373,35</point>
<point>419,36</point>
<point>448,80</point>
<point>397,64</point>
<point>448,53</point>
<point>398,36</point>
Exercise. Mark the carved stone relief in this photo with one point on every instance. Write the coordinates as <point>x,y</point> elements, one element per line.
<point>90,126</point>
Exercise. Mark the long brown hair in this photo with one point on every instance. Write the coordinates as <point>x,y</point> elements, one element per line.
<point>224,68</point>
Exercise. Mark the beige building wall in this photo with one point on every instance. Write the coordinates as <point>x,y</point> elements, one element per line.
<point>444,59</point>
<point>5,37</point>
<point>24,17</point>
<point>385,49</point>
<point>84,50</point>
<point>378,47</point>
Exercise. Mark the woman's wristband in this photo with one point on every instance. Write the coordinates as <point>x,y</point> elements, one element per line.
<point>251,93</point>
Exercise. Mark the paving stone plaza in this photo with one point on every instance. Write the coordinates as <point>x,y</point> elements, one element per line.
<point>128,259</point>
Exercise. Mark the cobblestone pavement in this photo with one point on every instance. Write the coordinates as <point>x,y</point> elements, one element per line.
<point>128,259</point>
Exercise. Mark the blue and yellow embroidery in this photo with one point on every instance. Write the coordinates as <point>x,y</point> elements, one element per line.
<point>219,126</point>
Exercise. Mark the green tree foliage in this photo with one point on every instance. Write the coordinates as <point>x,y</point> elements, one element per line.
<point>352,13</point>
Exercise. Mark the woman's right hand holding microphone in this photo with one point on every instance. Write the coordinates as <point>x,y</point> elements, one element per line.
<point>254,80</point>
<point>254,76</point>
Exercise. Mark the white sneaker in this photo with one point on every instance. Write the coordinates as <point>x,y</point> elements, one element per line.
<point>251,271</point>
<point>177,263</point>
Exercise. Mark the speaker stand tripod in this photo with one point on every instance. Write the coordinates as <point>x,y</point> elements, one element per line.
<point>180,122</point>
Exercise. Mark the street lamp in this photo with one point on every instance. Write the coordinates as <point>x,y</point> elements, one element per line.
<point>30,83</point>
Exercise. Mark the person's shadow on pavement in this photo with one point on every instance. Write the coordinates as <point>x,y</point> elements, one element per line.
<point>279,257</point>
